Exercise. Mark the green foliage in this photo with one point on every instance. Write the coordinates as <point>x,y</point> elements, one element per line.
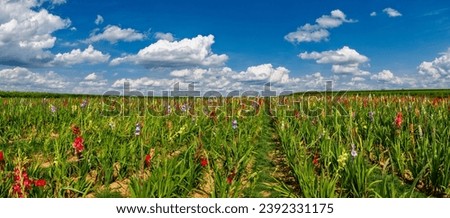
<point>199,153</point>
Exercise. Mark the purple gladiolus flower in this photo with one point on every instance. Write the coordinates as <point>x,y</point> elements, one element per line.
<point>138,129</point>
<point>83,103</point>
<point>234,124</point>
<point>53,108</point>
<point>354,153</point>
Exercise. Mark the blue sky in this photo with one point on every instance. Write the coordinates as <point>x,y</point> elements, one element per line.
<point>95,46</point>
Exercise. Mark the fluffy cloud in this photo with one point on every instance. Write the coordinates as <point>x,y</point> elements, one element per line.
<point>358,79</point>
<point>319,31</point>
<point>344,60</point>
<point>345,55</point>
<point>336,19</point>
<point>164,36</point>
<point>313,81</point>
<point>113,34</point>
<point>26,33</point>
<point>226,79</point>
<point>99,20</point>
<point>191,74</point>
<point>24,79</point>
<point>264,72</point>
<point>95,85</point>
<point>91,77</point>
<point>146,82</point>
<point>212,78</point>
<point>387,76</point>
<point>438,68</point>
<point>308,33</point>
<point>255,74</point>
<point>92,81</point>
<point>373,14</point>
<point>76,56</point>
<point>392,12</point>
<point>183,53</point>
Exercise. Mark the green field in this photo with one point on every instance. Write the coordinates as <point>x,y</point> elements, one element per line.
<point>345,144</point>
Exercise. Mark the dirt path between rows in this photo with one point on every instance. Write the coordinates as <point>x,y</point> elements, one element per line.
<point>275,177</point>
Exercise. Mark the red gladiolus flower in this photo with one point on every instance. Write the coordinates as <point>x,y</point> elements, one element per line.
<point>27,183</point>
<point>22,183</point>
<point>316,160</point>
<point>78,144</point>
<point>399,119</point>
<point>40,183</point>
<point>16,174</point>
<point>148,159</point>
<point>230,178</point>
<point>20,173</point>
<point>17,190</point>
<point>203,162</point>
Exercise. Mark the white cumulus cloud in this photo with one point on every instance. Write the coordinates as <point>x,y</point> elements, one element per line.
<point>438,68</point>
<point>226,79</point>
<point>184,53</point>
<point>76,56</point>
<point>91,77</point>
<point>258,74</point>
<point>90,82</point>
<point>113,34</point>
<point>164,36</point>
<point>264,72</point>
<point>392,12</point>
<point>26,33</point>
<point>373,14</point>
<point>319,31</point>
<point>345,60</point>
<point>190,74</point>
<point>25,79</point>
<point>358,79</point>
<point>146,82</point>
<point>387,76</point>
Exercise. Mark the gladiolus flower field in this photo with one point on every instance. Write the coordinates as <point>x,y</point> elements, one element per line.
<point>315,146</point>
